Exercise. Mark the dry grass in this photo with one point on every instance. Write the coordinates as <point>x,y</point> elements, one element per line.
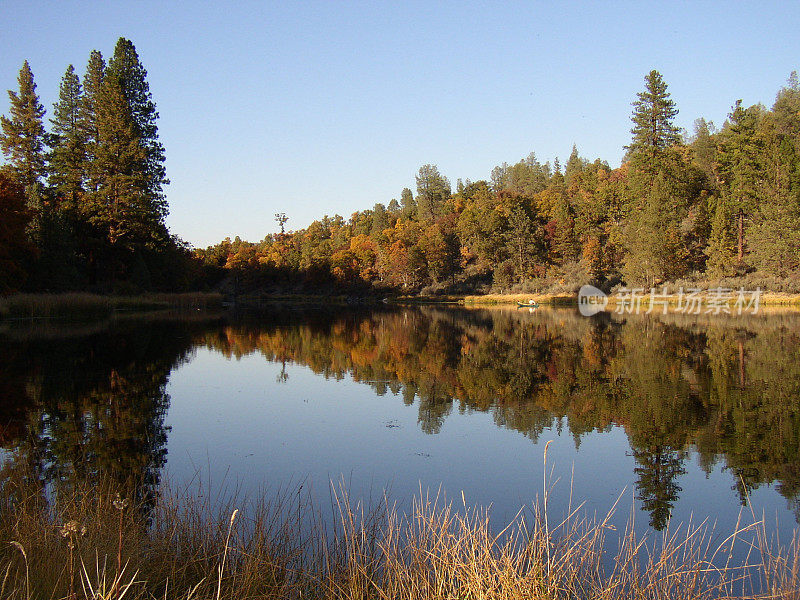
<point>92,306</point>
<point>559,299</point>
<point>278,547</point>
<point>767,299</point>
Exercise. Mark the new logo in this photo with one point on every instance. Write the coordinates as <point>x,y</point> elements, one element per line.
<point>591,300</point>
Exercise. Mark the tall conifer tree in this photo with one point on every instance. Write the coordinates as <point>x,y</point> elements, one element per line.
<point>659,185</point>
<point>740,157</point>
<point>68,144</point>
<point>92,87</point>
<point>132,76</point>
<point>22,136</point>
<point>654,129</point>
<point>128,159</point>
<point>118,205</point>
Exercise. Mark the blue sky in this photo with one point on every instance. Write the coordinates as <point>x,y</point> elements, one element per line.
<point>316,108</point>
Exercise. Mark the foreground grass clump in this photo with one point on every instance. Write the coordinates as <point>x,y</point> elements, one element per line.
<point>93,306</point>
<point>94,543</point>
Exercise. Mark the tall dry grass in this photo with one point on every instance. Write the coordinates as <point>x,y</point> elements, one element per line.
<point>553,299</point>
<point>89,543</point>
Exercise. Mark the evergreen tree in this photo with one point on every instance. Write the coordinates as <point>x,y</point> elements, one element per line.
<point>740,156</point>
<point>521,241</point>
<point>408,205</point>
<point>126,67</point>
<point>654,129</point>
<point>68,144</point>
<point>92,88</point>
<point>655,252</point>
<point>575,166</point>
<point>380,220</point>
<point>721,250</point>
<point>774,230</point>
<point>433,190</point>
<point>787,109</point>
<point>129,203</point>
<point>662,187</point>
<point>704,152</point>
<point>118,207</point>
<point>22,137</point>
<point>500,177</point>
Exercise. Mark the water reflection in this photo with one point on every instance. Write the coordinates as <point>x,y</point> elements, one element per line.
<point>78,404</point>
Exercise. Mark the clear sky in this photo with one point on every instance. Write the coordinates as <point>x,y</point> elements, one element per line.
<point>314,108</point>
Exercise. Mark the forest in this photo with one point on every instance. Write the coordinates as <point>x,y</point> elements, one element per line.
<point>719,205</point>
<point>83,207</point>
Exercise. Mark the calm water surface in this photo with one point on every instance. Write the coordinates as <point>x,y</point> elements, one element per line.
<point>684,417</point>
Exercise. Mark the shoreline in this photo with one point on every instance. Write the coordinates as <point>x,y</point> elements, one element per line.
<point>766,299</point>
<point>84,305</point>
<point>80,305</point>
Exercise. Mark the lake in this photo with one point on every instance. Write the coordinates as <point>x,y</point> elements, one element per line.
<point>679,417</point>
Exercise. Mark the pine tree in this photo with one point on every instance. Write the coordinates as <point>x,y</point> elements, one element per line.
<point>740,156</point>
<point>661,188</point>
<point>655,252</point>
<point>128,203</point>
<point>132,76</point>
<point>408,205</point>
<point>654,129</point>
<point>92,87</point>
<point>575,166</point>
<point>704,152</point>
<point>23,136</point>
<point>774,229</point>
<point>68,144</point>
<point>119,206</point>
<point>521,240</point>
<point>433,190</point>
<point>721,250</point>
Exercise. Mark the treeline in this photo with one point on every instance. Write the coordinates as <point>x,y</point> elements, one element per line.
<point>82,206</point>
<point>82,203</point>
<point>718,203</point>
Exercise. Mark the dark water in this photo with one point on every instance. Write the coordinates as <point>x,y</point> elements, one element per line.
<point>687,418</point>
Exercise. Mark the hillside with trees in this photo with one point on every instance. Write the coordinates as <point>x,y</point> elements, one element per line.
<point>84,207</point>
<point>719,203</point>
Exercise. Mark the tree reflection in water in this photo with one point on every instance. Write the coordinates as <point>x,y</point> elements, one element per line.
<point>82,404</point>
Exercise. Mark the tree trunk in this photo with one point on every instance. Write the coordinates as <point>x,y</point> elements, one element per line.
<point>741,235</point>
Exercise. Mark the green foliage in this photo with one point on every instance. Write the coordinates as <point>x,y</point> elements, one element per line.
<point>655,253</point>
<point>92,88</point>
<point>128,204</point>
<point>654,130</point>
<point>721,248</point>
<point>100,220</point>
<point>67,160</point>
<point>433,190</point>
<point>23,136</point>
